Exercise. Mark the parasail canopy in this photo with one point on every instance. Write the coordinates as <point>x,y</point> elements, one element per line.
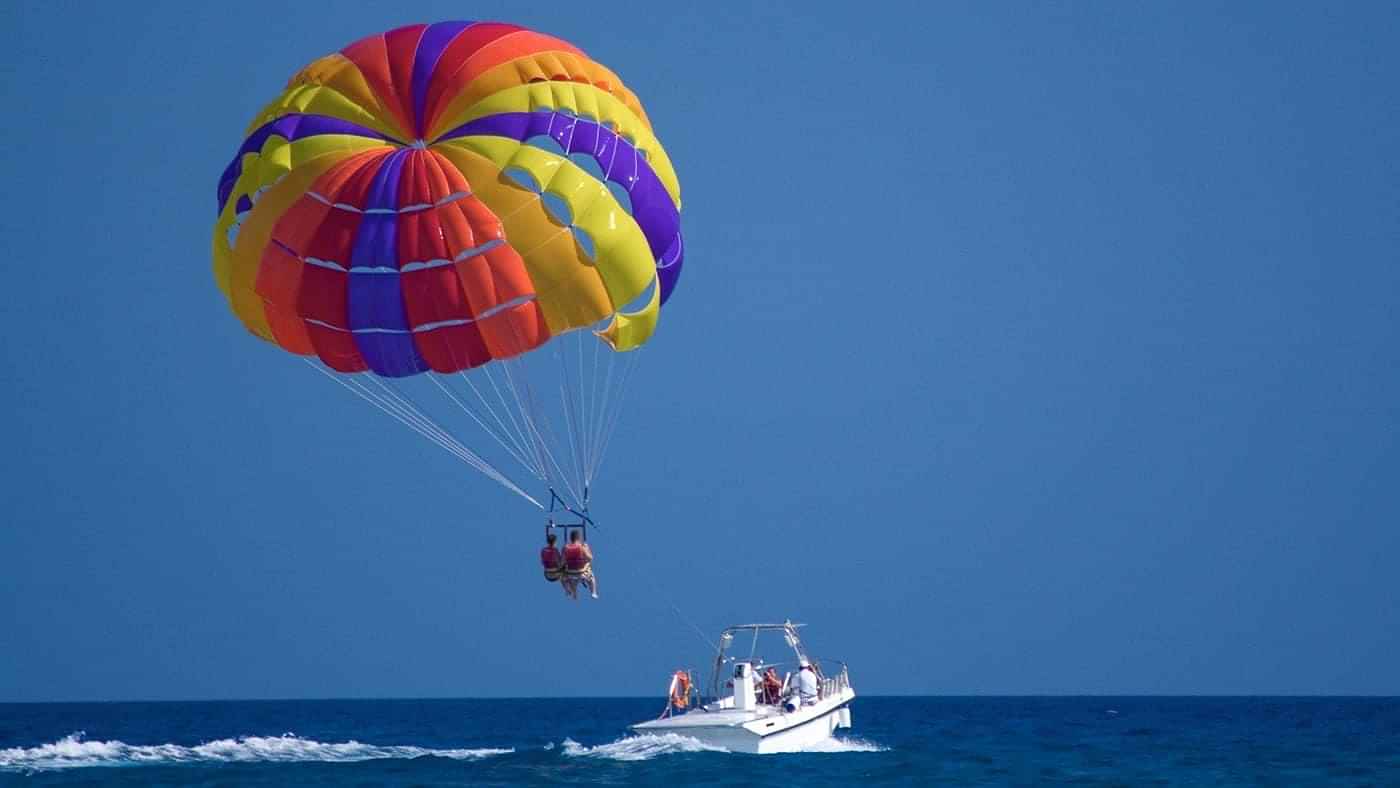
<point>451,197</point>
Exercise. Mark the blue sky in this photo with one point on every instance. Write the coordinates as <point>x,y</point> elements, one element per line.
<point>1020,349</point>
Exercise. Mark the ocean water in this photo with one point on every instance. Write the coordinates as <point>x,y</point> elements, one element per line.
<point>896,741</point>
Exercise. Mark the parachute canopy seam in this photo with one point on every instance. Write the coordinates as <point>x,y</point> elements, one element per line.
<point>425,327</point>
<point>414,208</point>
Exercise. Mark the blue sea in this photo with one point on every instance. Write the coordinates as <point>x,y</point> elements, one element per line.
<point>895,741</point>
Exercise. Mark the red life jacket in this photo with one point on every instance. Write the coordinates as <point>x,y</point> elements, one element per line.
<point>550,558</point>
<point>575,559</point>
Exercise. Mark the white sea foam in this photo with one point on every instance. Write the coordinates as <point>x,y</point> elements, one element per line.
<point>72,751</point>
<point>647,746</point>
<point>641,747</point>
<point>849,744</point>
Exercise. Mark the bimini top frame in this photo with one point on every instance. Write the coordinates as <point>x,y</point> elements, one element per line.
<point>727,637</point>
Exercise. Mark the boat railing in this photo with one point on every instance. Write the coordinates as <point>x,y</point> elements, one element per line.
<point>835,678</point>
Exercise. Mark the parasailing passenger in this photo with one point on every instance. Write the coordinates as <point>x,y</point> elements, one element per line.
<point>552,560</point>
<point>578,566</point>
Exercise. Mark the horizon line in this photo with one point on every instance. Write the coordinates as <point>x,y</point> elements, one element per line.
<point>968,696</point>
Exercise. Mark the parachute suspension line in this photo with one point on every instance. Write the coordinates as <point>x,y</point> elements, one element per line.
<point>484,426</point>
<point>525,429</point>
<point>477,461</point>
<point>547,439</point>
<point>590,439</point>
<point>410,406</point>
<point>583,399</point>
<point>517,450</point>
<point>398,414</point>
<point>425,428</point>
<point>524,397</point>
<point>611,426</point>
<point>534,422</point>
<point>517,442</point>
<point>519,434</point>
<point>525,405</point>
<point>590,467</point>
<point>591,413</point>
<point>600,402</point>
<point>421,423</point>
<point>625,376</point>
<point>588,397</point>
<point>570,417</point>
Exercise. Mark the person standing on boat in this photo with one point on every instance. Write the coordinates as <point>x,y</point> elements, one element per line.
<point>552,560</point>
<point>578,566</point>
<point>806,683</point>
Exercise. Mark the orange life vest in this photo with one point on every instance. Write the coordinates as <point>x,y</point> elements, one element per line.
<point>552,562</point>
<point>575,559</point>
<point>680,689</point>
<point>772,687</point>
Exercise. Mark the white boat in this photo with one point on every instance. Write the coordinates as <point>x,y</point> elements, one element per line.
<point>747,715</point>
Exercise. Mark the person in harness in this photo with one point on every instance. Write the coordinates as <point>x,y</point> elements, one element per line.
<point>551,559</point>
<point>578,566</point>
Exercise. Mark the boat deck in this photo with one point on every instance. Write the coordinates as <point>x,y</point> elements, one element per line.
<point>723,718</point>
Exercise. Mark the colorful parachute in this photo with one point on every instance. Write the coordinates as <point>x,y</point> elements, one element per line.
<point>443,196</point>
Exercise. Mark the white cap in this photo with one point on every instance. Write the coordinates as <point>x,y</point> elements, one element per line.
<point>803,663</point>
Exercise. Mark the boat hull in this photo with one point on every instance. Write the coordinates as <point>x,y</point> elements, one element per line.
<point>765,734</point>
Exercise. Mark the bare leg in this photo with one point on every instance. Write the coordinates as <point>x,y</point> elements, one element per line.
<point>591,583</point>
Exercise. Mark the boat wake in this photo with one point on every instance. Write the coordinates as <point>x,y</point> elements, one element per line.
<point>642,747</point>
<point>72,751</point>
<point>846,745</point>
<point>75,752</point>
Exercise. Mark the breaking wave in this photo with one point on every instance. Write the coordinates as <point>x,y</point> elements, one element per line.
<point>72,751</point>
<point>641,747</point>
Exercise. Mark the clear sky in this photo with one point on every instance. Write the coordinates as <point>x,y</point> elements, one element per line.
<point>1022,348</point>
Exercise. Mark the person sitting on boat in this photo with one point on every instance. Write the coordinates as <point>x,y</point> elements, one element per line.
<point>806,683</point>
<point>578,566</point>
<point>551,559</point>
<point>772,687</point>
